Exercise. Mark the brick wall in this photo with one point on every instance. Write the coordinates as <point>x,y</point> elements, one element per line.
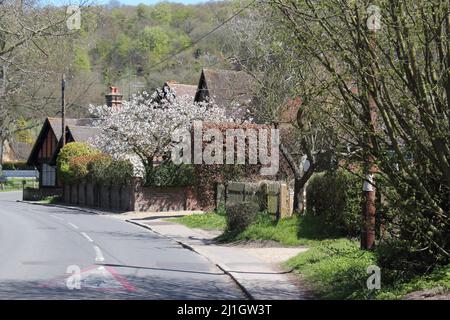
<point>131,198</point>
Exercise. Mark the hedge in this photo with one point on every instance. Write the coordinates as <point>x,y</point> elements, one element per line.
<point>337,198</point>
<point>67,154</point>
<point>17,165</point>
<point>78,163</point>
<point>172,175</point>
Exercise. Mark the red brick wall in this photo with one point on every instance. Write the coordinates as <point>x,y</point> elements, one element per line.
<point>165,199</point>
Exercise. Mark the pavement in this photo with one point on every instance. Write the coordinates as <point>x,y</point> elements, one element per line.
<point>256,270</point>
<point>49,252</point>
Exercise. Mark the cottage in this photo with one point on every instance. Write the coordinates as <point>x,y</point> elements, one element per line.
<point>233,90</point>
<point>45,147</point>
<point>49,143</point>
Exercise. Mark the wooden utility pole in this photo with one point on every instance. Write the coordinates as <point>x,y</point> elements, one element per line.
<point>63,110</point>
<point>369,208</point>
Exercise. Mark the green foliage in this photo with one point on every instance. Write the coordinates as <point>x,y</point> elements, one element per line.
<point>81,61</point>
<point>70,151</point>
<point>120,172</point>
<point>171,175</point>
<point>154,39</point>
<point>106,171</point>
<point>17,165</point>
<point>296,230</point>
<point>240,215</point>
<point>336,197</point>
<point>161,13</point>
<point>98,169</point>
<point>335,268</point>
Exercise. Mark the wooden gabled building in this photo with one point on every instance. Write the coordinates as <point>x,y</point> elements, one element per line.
<point>45,147</point>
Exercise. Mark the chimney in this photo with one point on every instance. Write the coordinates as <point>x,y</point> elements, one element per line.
<point>113,98</point>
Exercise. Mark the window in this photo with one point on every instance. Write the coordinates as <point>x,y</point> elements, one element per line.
<point>48,175</point>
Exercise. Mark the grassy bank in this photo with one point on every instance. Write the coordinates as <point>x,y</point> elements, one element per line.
<point>338,270</point>
<point>208,221</point>
<point>334,266</point>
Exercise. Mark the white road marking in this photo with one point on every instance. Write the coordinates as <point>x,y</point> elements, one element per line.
<point>56,217</point>
<point>87,237</point>
<point>72,225</point>
<point>98,255</point>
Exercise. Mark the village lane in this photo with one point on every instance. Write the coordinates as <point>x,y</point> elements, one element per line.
<point>56,253</point>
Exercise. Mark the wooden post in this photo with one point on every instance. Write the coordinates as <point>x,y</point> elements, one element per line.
<point>63,110</point>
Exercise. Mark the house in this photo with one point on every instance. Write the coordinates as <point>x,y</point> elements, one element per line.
<point>233,90</point>
<point>178,89</point>
<point>75,133</point>
<point>46,148</point>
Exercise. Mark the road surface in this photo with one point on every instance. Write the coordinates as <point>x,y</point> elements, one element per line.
<point>54,253</point>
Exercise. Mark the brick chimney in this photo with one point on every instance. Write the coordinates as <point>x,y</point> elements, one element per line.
<point>113,98</point>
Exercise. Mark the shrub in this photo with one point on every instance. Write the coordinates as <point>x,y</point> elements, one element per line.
<point>241,215</point>
<point>120,172</point>
<point>69,152</point>
<point>171,175</point>
<point>79,167</point>
<point>98,169</point>
<point>102,169</point>
<point>336,197</point>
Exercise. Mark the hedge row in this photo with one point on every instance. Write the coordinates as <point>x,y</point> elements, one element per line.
<point>17,165</point>
<point>77,163</point>
<point>336,197</point>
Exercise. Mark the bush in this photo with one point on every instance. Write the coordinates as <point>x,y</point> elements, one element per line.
<point>120,172</point>
<point>67,154</point>
<point>79,167</point>
<point>98,169</point>
<point>336,197</point>
<point>241,215</point>
<point>104,170</point>
<point>171,175</point>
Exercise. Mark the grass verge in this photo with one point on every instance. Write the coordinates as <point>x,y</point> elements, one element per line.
<point>334,266</point>
<point>208,221</point>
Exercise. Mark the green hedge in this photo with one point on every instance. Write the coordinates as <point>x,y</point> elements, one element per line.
<point>79,163</point>
<point>17,165</point>
<point>171,175</point>
<point>65,164</point>
<point>337,198</point>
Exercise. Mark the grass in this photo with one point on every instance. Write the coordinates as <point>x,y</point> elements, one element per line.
<point>15,184</point>
<point>337,269</point>
<point>294,231</point>
<point>334,266</point>
<point>208,221</point>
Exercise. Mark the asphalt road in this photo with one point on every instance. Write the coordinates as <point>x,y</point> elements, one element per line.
<point>54,253</point>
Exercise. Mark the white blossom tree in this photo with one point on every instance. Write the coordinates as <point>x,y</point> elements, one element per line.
<point>141,129</point>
